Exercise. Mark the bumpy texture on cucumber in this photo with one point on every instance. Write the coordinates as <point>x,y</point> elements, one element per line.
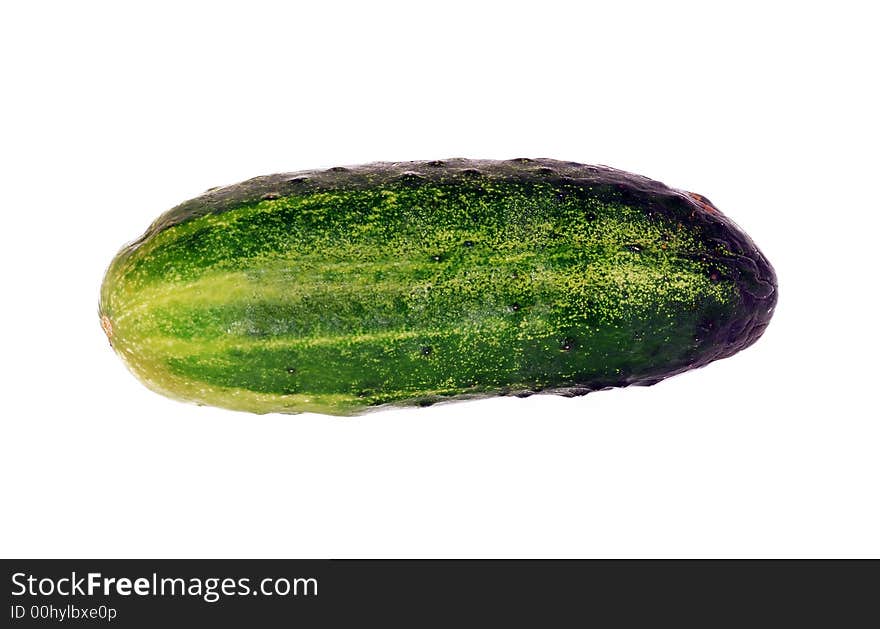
<point>337,291</point>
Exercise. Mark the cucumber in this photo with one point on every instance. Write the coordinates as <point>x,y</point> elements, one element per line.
<point>338,291</point>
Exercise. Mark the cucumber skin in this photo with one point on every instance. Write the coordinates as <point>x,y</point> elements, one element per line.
<point>342,290</point>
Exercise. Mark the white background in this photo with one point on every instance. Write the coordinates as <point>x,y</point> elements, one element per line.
<point>112,114</point>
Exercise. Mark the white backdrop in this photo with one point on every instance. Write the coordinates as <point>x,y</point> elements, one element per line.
<point>112,114</point>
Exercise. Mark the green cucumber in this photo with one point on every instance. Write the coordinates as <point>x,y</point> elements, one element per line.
<point>341,290</point>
